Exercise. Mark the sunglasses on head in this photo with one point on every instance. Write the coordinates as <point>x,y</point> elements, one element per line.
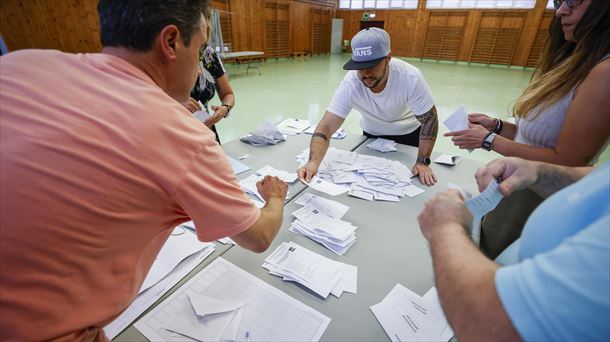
<point>571,3</point>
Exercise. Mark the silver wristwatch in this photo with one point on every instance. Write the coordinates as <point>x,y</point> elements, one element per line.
<point>489,139</point>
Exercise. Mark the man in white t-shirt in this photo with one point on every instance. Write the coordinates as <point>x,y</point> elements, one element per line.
<point>392,97</point>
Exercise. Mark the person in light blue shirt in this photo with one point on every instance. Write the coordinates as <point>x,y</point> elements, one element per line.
<point>559,286</point>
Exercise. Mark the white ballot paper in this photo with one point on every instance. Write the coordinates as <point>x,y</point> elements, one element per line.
<point>267,315</point>
<point>201,114</point>
<point>405,316</point>
<point>293,126</point>
<point>448,159</point>
<point>285,176</point>
<point>331,208</point>
<point>326,186</point>
<point>458,121</point>
<point>480,205</point>
<point>383,145</point>
<point>321,275</point>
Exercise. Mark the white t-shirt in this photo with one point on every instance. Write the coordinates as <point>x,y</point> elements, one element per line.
<point>390,112</point>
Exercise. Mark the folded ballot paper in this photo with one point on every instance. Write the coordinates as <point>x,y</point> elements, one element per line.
<point>319,220</point>
<point>383,145</point>
<point>293,126</point>
<point>405,316</point>
<point>207,319</point>
<point>248,184</point>
<point>448,160</point>
<point>321,275</point>
<point>265,134</point>
<point>367,177</point>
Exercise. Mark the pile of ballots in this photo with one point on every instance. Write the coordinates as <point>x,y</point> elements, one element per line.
<point>265,134</point>
<point>320,220</point>
<point>319,274</point>
<point>368,177</point>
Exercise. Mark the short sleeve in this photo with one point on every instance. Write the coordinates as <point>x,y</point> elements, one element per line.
<point>563,294</point>
<point>341,103</point>
<point>211,196</point>
<point>419,95</point>
<point>212,63</point>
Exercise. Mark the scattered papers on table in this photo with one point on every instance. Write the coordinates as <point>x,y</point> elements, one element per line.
<point>148,297</point>
<point>293,126</point>
<point>285,176</point>
<point>321,275</point>
<point>314,221</point>
<point>237,166</point>
<point>215,295</point>
<point>265,134</point>
<point>366,177</point>
<point>448,159</point>
<point>326,186</point>
<point>339,134</point>
<point>383,145</point>
<point>405,316</point>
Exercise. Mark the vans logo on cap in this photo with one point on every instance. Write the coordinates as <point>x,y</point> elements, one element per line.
<point>363,51</point>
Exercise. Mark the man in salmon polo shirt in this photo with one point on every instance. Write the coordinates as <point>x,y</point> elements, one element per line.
<point>99,161</point>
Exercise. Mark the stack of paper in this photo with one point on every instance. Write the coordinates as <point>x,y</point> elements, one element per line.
<point>333,209</point>
<point>339,134</point>
<point>405,316</point>
<point>366,177</point>
<point>287,177</point>
<point>293,126</point>
<point>321,275</point>
<point>383,145</point>
<point>316,224</point>
<point>265,134</point>
<point>207,319</point>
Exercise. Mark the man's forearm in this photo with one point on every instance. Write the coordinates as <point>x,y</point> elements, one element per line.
<point>428,131</point>
<point>466,286</point>
<point>319,145</point>
<point>552,178</point>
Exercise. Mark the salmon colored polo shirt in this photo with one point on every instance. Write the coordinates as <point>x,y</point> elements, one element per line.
<point>98,164</point>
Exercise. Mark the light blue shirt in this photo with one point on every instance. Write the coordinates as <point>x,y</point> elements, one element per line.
<point>560,289</point>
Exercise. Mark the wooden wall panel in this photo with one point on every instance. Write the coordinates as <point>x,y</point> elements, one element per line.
<point>73,26</point>
<point>505,37</point>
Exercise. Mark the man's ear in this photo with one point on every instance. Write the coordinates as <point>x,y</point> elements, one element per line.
<point>389,55</point>
<point>169,40</point>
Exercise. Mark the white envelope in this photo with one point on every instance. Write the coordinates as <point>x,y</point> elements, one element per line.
<point>205,319</point>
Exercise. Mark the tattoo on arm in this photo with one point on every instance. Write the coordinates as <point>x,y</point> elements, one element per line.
<point>429,124</point>
<point>321,135</point>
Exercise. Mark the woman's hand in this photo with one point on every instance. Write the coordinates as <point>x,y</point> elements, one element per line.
<point>470,138</point>
<point>482,119</point>
<point>219,113</point>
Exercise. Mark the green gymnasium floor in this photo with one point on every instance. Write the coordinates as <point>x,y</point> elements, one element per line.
<point>303,88</point>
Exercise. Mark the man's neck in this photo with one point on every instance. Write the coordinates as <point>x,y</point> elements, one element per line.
<point>141,60</point>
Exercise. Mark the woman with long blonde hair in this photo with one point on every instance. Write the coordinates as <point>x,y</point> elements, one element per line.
<point>562,117</point>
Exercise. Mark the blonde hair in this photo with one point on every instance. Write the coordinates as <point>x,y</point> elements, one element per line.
<point>563,64</point>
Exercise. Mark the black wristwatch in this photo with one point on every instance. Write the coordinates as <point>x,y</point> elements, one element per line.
<point>228,109</point>
<point>489,139</point>
<point>422,159</point>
